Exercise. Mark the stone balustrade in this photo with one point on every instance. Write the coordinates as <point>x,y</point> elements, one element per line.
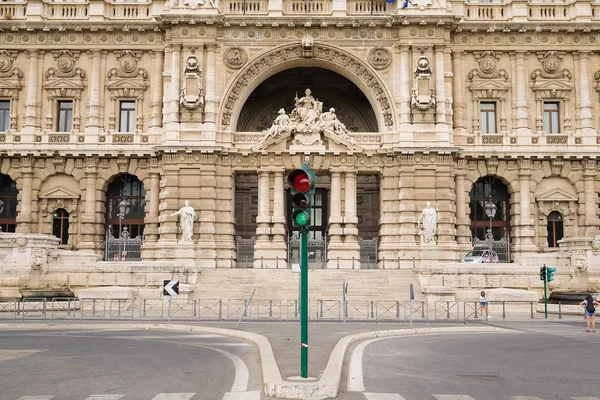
<point>314,7</point>
<point>136,11</point>
<point>368,7</point>
<point>248,7</point>
<point>64,10</point>
<point>536,10</point>
<point>13,10</point>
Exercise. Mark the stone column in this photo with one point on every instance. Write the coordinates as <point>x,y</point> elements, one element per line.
<point>407,197</point>
<point>463,232</point>
<point>169,225</point>
<point>206,215</point>
<point>591,207</point>
<point>90,237</point>
<point>440,94</point>
<point>151,220</point>
<point>458,59</point>
<point>24,219</point>
<point>389,223</point>
<point>210,75</point>
<point>157,85</point>
<point>521,92</point>
<point>31,102</point>
<point>334,247</point>
<point>405,75</point>
<point>525,230</point>
<point>93,120</point>
<point>585,120</point>
<point>263,220</point>
<point>278,228</point>
<point>350,219</point>
<point>175,81</point>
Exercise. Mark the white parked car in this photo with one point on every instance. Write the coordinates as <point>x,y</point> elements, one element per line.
<point>480,256</point>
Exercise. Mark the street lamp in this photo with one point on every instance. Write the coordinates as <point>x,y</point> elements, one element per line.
<point>490,210</point>
<point>124,209</point>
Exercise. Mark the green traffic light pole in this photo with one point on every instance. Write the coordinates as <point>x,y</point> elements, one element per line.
<point>545,300</point>
<point>304,302</point>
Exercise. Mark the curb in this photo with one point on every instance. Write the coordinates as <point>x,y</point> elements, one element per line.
<point>327,386</point>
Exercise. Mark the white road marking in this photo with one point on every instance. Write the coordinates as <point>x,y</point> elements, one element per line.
<point>524,398</point>
<point>174,396</point>
<point>383,396</point>
<point>355,371</point>
<point>242,396</point>
<point>35,398</point>
<point>452,397</point>
<point>105,397</point>
<point>242,376</point>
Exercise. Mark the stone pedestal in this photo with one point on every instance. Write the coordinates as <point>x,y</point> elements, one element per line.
<point>181,252</point>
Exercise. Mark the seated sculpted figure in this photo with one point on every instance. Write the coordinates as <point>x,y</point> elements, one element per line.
<point>330,121</point>
<point>306,109</point>
<point>281,123</point>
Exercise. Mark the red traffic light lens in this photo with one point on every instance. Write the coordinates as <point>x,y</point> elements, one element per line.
<point>301,183</point>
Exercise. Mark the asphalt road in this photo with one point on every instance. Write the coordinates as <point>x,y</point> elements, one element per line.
<point>126,364</point>
<point>533,363</point>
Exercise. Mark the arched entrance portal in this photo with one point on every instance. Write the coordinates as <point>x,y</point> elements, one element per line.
<point>334,90</point>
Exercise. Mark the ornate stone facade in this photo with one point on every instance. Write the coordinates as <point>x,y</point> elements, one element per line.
<point>434,100</point>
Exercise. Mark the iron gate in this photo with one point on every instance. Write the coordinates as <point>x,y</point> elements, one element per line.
<point>123,248</point>
<point>501,246</point>
<point>317,252</point>
<point>245,252</point>
<point>368,253</point>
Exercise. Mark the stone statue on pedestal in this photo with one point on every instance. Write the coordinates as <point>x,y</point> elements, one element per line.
<point>186,221</point>
<point>429,227</point>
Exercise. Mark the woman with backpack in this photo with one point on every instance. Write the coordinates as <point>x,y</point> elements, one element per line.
<point>589,304</point>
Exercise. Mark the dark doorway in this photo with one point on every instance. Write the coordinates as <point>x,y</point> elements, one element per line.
<point>555,228</point>
<point>334,90</point>
<point>8,204</point>
<point>490,189</point>
<point>128,189</point>
<point>318,215</point>
<point>60,225</point>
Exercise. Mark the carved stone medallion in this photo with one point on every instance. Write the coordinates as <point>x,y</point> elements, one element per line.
<point>551,62</point>
<point>5,61</point>
<point>379,58</point>
<point>128,61</point>
<point>488,62</point>
<point>235,57</point>
<point>65,62</point>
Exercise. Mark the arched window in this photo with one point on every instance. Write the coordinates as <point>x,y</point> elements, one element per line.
<point>60,225</point>
<point>8,204</point>
<point>555,228</point>
<point>126,189</point>
<point>485,192</point>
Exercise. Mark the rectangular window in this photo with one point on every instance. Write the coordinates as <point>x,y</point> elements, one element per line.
<point>127,122</point>
<point>4,115</point>
<point>65,115</point>
<point>551,117</point>
<point>487,116</point>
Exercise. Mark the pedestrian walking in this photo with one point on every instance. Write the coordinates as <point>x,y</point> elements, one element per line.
<point>589,304</point>
<point>483,305</point>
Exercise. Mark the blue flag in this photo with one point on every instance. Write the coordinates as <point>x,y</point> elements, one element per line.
<point>405,4</point>
<point>390,1</point>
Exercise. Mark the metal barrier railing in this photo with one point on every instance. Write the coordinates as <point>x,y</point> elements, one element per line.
<point>198,310</point>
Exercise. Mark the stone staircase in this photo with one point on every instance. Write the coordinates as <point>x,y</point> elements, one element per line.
<point>325,284</point>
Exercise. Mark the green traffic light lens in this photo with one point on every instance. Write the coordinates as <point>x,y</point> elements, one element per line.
<point>301,219</point>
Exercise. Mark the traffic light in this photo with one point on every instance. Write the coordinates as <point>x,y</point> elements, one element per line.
<point>543,273</point>
<point>550,274</point>
<point>302,186</point>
